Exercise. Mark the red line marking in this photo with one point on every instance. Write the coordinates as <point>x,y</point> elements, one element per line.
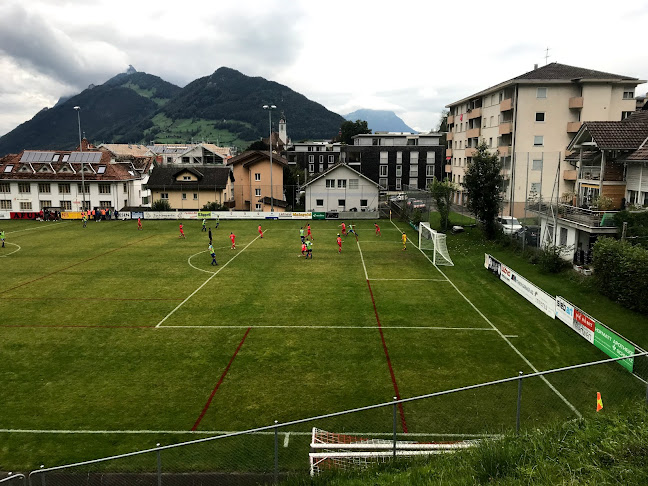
<point>389,364</point>
<point>204,410</point>
<point>74,265</point>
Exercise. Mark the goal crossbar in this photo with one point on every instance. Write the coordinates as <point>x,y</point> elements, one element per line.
<point>434,241</point>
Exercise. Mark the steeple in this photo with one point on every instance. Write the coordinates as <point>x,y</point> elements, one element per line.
<point>283,133</point>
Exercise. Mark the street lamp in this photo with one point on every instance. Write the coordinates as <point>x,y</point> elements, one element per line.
<point>78,109</point>
<point>270,108</point>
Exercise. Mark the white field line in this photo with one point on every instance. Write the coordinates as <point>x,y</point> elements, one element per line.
<point>11,252</point>
<point>286,439</point>
<point>427,328</point>
<point>223,432</point>
<point>517,351</point>
<point>410,279</point>
<point>159,324</point>
<point>362,258</point>
<point>48,225</point>
<point>193,266</point>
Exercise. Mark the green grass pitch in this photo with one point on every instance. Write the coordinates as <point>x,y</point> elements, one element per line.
<point>115,339</point>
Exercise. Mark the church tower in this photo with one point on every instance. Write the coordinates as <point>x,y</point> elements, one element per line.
<point>283,134</point>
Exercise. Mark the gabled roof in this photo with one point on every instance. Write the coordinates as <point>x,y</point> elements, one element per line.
<point>626,134</point>
<point>254,156</point>
<point>124,149</point>
<point>212,177</point>
<point>334,168</point>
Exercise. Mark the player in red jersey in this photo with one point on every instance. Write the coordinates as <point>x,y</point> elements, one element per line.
<point>233,238</point>
<point>182,235</point>
<point>339,242</point>
<point>303,253</point>
<point>377,229</point>
<point>260,231</point>
<point>139,223</point>
<point>343,228</point>
<point>308,232</point>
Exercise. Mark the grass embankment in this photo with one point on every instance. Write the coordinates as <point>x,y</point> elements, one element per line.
<point>606,449</point>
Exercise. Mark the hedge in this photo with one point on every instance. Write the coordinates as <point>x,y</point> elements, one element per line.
<point>621,273</point>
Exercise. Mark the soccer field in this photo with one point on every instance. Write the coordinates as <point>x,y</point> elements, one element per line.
<point>115,339</point>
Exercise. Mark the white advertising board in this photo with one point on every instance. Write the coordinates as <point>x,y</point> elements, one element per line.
<point>5,215</point>
<point>575,318</point>
<point>538,297</point>
<point>160,215</point>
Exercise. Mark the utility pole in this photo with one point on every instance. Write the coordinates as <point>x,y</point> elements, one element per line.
<point>78,109</point>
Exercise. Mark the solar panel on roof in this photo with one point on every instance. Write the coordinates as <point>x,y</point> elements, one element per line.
<point>85,157</point>
<point>35,156</point>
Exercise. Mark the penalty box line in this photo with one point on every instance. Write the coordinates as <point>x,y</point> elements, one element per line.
<point>511,345</point>
<point>159,324</point>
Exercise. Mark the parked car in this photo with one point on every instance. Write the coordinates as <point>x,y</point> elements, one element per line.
<point>401,196</point>
<point>530,234</point>
<point>509,224</point>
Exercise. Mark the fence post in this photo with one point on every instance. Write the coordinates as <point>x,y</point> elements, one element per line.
<point>42,476</point>
<point>519,405</point>
<point>276,453</point>
<point>159,465</point>
<point>394,426</point>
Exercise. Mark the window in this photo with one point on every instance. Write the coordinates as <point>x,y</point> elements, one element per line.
<point>490,142</point>
<point>383,182</point>
<point>67,205</point>
<point>536,164</point>
<point>311,168</point>
<point>384,157</point>
<point>321,167</point>
<point>185,160</point>
<point>540,116</point>
<point>398,184</point>
<point>321,159</point>
<point>186,178</point>
<point>311,159</point>
<point>330,183</point>
<point>5,204</point>
<point>87,188</point>
<point>353,183</point>
<point>341,183</point>
<point>399,171</point>
<point>101,169</point>
<point>184,195</point>
<point>24,188</point>
<point>413,170</point>
<point>414,156</point>
<point>145,201</point>
<point>104,188</point>
<point>541,93</point>
<point>538,141</point>
<point>383,171</point>
<point>164,195</point>
<point>125,187</point>
<point>4,187</point>
<point>257,192</point>
<point>331,159</point>
<point>257,177</point>
<point>195,194</point>
<point>413,184</point>
<point>86,205</point>
<point>628,93</point>
<point>632,196</point>
<point>258,207</point>
<point>65,157</point>
<point>342,202</point>
<point>45,204</point>
<point>431,157</point>
<point>428,182</point>
<point>56,157</point>
<point>8,168</point>
<point>363,203</point>
<point>25,206</point>
<point>625,114</point>
<point>563,236</point>
<point>319,202</point>
<point>429,171</point>
<point>535,189</point>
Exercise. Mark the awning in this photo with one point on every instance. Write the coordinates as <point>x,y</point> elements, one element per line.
<point>591,186</point>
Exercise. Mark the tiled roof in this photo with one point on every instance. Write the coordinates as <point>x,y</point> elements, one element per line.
<point>555,70</point>
<point>125,149</point>
<point>626,134</point>
<point>639,155</point>
<point>65,171</point>
<point>252,156</point>
<point>164,177</point>
<point>277,202</point>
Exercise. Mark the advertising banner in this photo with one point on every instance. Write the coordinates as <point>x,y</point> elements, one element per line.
<point>614,346</point>
<point>71,215</point>
<point>188,215</point>
<point>317,215</point>
<point>584,325</point>
<point>24,215</point>
<point>204,214</point>
<point>538,297</point>
<point>492,264</point>
<point>5,215</point>
<point>156,215</point>
<point>124,215</point>
<point>137,214</point>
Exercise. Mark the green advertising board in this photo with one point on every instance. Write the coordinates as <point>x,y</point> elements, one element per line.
<point>614,346</point>
<point>319,215</point>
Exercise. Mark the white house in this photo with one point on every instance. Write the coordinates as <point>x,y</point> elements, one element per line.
<point>341,188</point>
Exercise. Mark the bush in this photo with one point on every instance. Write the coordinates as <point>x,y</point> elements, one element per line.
<point>621,271</point>
<point>161,205</point>
<point>550,258</point>
<point>212,206</point>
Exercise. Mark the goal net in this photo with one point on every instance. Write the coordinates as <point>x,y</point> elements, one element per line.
<point>435,242</point>
<point>342,451</point>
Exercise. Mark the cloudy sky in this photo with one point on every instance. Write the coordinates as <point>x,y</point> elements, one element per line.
<point>412,57</point>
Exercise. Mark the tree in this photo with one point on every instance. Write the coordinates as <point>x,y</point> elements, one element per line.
<point>484,183</point>
<point>443,122</point>
<point>442,193</point>
<point>212,206</point>
<point>349,129</point>
<point>161,205</point>
<point>258,145</point>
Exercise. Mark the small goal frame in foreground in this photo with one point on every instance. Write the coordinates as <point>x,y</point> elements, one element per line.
<point>430,239</point>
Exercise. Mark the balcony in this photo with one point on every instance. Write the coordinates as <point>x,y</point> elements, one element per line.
<point>450,119</point>
<point>576,103</point>
<point>470,151</point>
<point>448,168</point>
<point>504,150</point>
<point>590,173</point>
<point>473,132</point>
<point>505,128</point>
<point>576,215</point>
<point>570,175</point>
<point>506,105</point>
<point>449,136</point>
<point>573,127</point>
<point>448,152</point>
<point>475,113</point>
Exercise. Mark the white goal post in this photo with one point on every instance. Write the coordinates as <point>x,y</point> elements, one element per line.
<point>430,239</point>
<point>343,451</point>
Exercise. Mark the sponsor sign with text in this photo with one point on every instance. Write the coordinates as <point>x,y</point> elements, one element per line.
<point>538,297</point>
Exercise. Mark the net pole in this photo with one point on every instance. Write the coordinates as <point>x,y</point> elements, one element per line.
<point>394,426</point>
<point>435,242</point>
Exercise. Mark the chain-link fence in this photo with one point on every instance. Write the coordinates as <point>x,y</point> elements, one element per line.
<point>276,451</point>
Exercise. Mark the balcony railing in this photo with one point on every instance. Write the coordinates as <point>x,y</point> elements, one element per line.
<point>570,175</point>
<point>506,105</point>
<point>590,172</point>
<point>449,136</point>
<point>470,151</point>
<point>505,127</point>
<point>574,214</point>
<point>450,119</point>
<point>474,113</point>
<point>449,152</point>
<point>576,102</point>
<point>473,132</point>
<point>448,168</point>
<point>573,127</point>
<point>504,150</point>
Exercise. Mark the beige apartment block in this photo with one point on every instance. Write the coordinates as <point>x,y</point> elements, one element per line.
<point>254,183</point>
<point>530,120</point>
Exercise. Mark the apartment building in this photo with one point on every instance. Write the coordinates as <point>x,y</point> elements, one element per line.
<point>258,183</point>
<point>314,156</point>
<point>530,120</point>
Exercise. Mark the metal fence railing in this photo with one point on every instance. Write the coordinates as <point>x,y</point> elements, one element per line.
<point>582,216</point>
<point>272,452</point>
<point>14,479</point>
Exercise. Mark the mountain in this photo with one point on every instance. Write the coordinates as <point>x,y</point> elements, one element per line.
<point>224,107</point>
<point>380,120</point>
<point>108,112</point>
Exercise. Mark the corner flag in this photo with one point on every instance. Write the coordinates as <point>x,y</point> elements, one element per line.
<point>599,401</point>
